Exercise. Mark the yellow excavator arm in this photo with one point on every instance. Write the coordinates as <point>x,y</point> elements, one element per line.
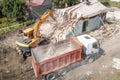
<point>40,21</point>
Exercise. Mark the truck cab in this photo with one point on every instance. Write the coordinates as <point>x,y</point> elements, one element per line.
<point>91,47</point>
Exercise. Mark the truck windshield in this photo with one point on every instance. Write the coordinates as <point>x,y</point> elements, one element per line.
<point>95,45</point>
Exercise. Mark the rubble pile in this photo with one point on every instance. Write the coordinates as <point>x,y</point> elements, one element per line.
<point>54,29</point>
<point>65,19</point>
<point>106,31</point>
<point>116,63</point>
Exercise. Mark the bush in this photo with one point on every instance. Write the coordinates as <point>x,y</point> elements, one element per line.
<point>109,3</point>
<point>15,25</point>
<point>4,19</point>
<point>64,3</point>
<point>13,9</point>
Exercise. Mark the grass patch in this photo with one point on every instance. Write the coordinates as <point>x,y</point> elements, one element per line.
<point>109,3</point>
<point>6,24</point>
<point>9,26</point>
<point>114,4</point>
<point>4,19</point>
<point>118,74</point>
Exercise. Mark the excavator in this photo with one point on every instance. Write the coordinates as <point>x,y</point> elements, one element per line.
<point>30,36</point>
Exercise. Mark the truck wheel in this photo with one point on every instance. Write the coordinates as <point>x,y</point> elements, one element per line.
<point>90,59</point>
<point>18,51</point>
<point>24,57</point>
<point>27,54</point>
<point>62,72</point>
<point>51,76</point>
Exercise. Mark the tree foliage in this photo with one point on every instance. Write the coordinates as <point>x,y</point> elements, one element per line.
<point>0,10</point>
<point>64,3</point>
<point>13,9</point>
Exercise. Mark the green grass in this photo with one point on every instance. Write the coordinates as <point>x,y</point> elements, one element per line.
<point>15,25</point>
<point>4,19</point>
<point>109,3</point>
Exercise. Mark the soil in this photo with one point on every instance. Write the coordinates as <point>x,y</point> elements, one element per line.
<point>11,68</point>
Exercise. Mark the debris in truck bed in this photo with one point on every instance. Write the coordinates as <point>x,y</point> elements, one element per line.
<point>45,52</point>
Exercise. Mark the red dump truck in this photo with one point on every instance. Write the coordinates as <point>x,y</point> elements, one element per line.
<point>51,60</point>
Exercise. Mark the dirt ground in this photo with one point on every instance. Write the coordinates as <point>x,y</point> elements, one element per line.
<point>12,69</point>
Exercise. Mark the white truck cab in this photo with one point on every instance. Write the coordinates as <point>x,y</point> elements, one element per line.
<point>90,44</point>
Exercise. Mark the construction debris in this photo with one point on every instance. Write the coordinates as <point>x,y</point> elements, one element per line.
<point>67,19</point>
<point>115,15</point>
<point>116,63</point>
<point>106,31</point>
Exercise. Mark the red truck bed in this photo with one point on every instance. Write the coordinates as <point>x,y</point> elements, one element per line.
<point>53,57</point>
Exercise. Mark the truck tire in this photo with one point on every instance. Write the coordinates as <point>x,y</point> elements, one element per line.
<point>90,59</point>
<point>24,57</point>
<point>27,54</point>
<point>51,76</point>
<point>62,72</point>
<point>19,51</point>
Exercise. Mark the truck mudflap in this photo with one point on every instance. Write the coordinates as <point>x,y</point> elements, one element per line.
<point>36,69</point>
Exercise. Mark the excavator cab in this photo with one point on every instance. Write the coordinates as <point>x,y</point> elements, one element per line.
<point>28,33</point>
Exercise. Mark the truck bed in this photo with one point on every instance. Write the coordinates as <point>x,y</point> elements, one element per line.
<point>52,50</point>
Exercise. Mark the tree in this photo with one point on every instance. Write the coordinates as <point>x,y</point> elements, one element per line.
<point>0,10</point>
<point>13,9</point>
<point>64,3</point>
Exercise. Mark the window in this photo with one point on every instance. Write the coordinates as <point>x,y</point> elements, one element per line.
<point>85,25</point>
<point>25,34</point>
<point>95,45</point>
<point>87,37</point>
<point>31,33</point>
